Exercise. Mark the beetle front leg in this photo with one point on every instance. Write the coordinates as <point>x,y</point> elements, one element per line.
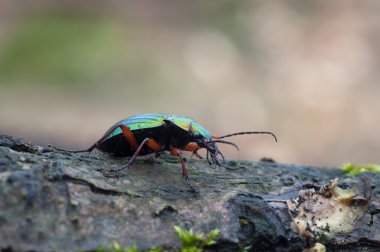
<point>177,152</point>
<point>195,153</point>
<point>193,147</point>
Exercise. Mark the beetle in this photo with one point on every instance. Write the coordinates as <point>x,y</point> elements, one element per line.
<point>155,133</point>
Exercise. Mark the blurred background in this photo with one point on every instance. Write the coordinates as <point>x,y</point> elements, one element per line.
<point>306,70</point>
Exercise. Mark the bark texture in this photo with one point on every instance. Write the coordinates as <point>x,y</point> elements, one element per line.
<point>58,201</point>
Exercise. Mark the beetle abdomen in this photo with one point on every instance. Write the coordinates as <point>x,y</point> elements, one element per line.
<point>119,146</point>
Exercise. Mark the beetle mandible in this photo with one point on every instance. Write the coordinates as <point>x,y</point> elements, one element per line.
<point>154,133</point>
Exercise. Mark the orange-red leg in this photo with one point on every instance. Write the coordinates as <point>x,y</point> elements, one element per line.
<point>193,147</point>
<point>128,134</point>
<point>177,152</point>
<point>153,145</point>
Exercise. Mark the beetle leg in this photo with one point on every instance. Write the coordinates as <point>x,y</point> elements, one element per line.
<point>208,158</point>
<point>221,154</point>
<point>128,134</point>
<point>193,147</point>
<point>151,143</point>
<point>195,153</point>
<point>177,152</point>
<point>95,145</point>
<point>109,132</point>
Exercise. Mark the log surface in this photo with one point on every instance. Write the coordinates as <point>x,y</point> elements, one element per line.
<point>58,201</point>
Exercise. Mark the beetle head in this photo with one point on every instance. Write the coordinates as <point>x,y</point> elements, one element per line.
<point>202,140</point>
<point>211,147</point>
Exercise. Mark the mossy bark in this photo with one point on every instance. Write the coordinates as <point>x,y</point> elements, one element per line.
<point>58,201</point>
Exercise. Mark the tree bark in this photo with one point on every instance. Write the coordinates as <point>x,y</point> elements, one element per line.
<point>58,201</point>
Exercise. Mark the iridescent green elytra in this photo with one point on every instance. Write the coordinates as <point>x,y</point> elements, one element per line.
<point>147,121</point>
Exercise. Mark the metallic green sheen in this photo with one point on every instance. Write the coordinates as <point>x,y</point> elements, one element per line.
<point>185,122</point>
<point>155,120</point>
<point>202,130</point>
<point>139,122</point>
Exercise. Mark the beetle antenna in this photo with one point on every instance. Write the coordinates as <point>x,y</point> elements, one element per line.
<point>224,142</point>
<point>247,133</point>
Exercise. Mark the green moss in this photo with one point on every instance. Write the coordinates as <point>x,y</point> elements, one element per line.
<point>243,221</point>
<point>191,242</point>
<point>355,169</point>
<point>117,248</point>
<point>244,249</point>
<point>194,242</point>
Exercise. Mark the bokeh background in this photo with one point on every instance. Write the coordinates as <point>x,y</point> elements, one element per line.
<point>306,70</point>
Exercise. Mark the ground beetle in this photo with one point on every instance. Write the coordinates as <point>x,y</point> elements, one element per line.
<point>154,133</point>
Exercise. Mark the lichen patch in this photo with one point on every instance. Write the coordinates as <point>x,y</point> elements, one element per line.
<point>327,210</point>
